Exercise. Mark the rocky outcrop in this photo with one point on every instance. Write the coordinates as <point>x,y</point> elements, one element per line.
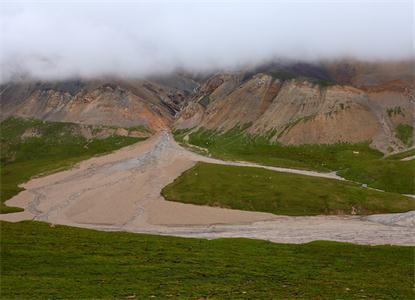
<point>244,104</point>
<point>191,116</point>
<point>330,115</point>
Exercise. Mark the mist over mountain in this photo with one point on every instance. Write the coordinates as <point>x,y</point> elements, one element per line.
<point>63,40</point>
<point>300,72</point>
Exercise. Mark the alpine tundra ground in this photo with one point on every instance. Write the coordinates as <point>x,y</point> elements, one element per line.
<point>43,262</point>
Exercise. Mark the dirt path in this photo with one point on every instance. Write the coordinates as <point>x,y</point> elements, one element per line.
<point>121,192</point>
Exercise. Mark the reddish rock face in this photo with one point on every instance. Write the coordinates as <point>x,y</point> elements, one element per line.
<point>304,111</point>
<point>116,103</point>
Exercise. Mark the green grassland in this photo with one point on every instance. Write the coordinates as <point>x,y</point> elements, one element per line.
<point>263,190</point>
<point>43,262</point>
<point>355,162</point>
<point>53,147</point>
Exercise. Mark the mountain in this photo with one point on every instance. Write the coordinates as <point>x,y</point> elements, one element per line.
<point>153,102</point>
<point>291,102</point>
<point>302,103</point>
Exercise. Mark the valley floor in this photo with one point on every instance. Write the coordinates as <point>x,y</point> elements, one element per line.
<point>121,192</point>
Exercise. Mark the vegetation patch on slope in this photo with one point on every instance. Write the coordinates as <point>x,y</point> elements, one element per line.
<point>404,132</point>
<point>49,147</point>
<point>396,110</point>
<point>257,189</point>
<point>356,162</point>
<point>43,262</point>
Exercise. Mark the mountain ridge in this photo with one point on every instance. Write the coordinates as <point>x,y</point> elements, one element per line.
<point>299,103</point>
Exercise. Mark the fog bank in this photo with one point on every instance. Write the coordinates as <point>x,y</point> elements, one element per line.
<point>58,40</point>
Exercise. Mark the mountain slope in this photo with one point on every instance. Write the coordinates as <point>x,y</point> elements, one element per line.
<point>290,102</point>
<point>102,102</point>
<point>305,105</point>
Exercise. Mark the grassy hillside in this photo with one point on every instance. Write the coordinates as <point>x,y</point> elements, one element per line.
<point>263,190</point>
<point>48,147</point>
<point>356,162</point>
<point>41,262</point>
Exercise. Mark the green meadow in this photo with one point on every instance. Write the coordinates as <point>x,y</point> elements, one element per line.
<point>43,262</point>
<point>257,189</point>
<point>355,162</point>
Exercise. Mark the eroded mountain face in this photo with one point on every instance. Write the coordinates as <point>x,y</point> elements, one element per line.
<point>153,103</point>
<point>304,104</point>
<point>296,103</point>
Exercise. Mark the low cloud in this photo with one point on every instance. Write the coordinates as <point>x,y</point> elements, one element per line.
<point>58,40</point>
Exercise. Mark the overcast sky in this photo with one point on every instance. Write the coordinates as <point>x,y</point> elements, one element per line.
<point>57,39</point>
